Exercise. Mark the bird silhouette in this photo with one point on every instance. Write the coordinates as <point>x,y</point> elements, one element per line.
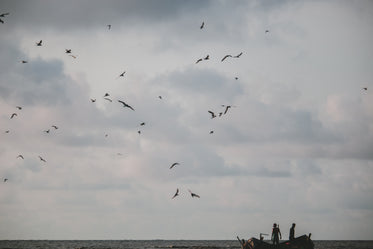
<point>68,51</point>
<point>365,88</point>
<point>23,61</point>
<point>122,74</point>
<point>108,99</point>
<point>93,100</point>
<point>20,156</point>
<point>55,127</point>
<point>142,124</point>
<point>202,25</point>
<point>226,108</point>
<point>1,20</point>
<point>193,194</point>
<point>5,179</point>
<point>47,131</point>
<point>225,57</point>
<point>212,114</point>
<point>207,57</point>
<point>211,132</point>
<point>267,31</point>
<point>199,60</point>
<point>4,14</point>
<point>13,115</point>
<point>19,107</point>
<point>176,194</point>
<point>109,26</point>
<point>42,159</point>
<point>125,104</point>
<point>72,56</point>
<point>173,165</point>
<point>106,95</point>
<point>39,43</point>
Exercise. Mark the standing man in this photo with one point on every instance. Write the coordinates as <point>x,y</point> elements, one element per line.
<point>276,233</point>
<point>292,232</point>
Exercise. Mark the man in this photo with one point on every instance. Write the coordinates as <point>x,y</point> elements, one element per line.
<point>292,232</point>
<point>276,233</point>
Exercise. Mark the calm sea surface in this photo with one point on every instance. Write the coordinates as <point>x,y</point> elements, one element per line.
<point>159,244</point>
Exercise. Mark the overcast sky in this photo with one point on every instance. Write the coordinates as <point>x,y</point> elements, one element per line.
<point>295,146</point>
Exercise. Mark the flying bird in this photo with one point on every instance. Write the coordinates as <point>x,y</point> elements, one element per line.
<point>212,114</point>
<point>5,179</point>
<point>211,132</point>
<point>19,107</point>
<point>225,57</point>
<point>122,74</point>
<point>173,165</point>
<point>72,56</point>
<point>4,14</point>
<point>365,88</point>
<point>47,131</point>
<point>7,131</point>
<point>125,104</point>
<point>193,194</point>
<point>42,159</point>
<point>160,97</point>
<point>13,115</point>
<point>1,21</point>
<point>267,31</point>
<point>142,124</point>
<point>109,26</point>
<point>39,43</point>
<point>106,95</point>
<point>68,51</point>
<point>93,100</point>
<point>199,60</point>
<point>23,62</point>
<point>20,156</point>
<point>176,194</point>
<point>202,25</point>
<point>226,108</point>
<point>55,127</point>
<point>108,99</point>
<point>207,57</point>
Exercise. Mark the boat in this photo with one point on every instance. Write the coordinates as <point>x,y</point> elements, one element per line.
<point>301,242</point>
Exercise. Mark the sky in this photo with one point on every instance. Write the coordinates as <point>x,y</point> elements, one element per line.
<point>295,146</point>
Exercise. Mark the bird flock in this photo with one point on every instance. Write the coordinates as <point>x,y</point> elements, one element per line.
<point>107,97</point>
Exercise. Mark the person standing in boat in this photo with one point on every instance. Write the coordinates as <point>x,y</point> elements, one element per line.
<point>276,234</point>
<point>292,232</point>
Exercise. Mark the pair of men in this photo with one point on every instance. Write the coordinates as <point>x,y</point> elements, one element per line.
<point>276,233</point>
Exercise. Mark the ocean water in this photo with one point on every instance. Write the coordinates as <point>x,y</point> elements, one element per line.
<point>161,244</point>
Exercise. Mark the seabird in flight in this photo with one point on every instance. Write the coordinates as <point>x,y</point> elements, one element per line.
<point>193,194</point>
<point>173,165</point>
<point>20,156</point>
<point>202,25</point>
<point>13,115</point>
<point>225,57</point>
<point>212,114</point>
<point>39,43</point>
<point>176,194</point>
<point>125,104</point>
<point>42,159</point>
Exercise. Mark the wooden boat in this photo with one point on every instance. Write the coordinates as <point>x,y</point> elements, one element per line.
<point>302,242</point>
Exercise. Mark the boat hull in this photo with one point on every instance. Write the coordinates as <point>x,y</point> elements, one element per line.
<point>302,242</point>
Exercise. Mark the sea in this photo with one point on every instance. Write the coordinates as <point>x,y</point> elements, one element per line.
<point>163,244</point>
